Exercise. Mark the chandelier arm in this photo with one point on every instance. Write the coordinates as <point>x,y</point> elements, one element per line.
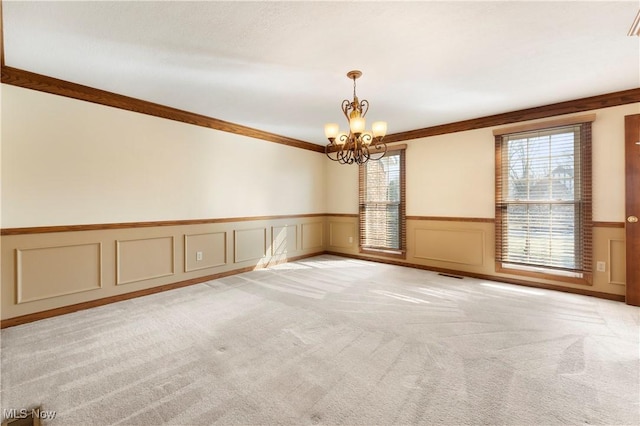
<point>328,152</point>
<point>344,139</point>
<point>366,155</point>
<point>348,156</point>
<point>381,150</point>
<point>357,152</point>
<point>346,106</point>
<point>341,156</point>
<point>364,107</point>
<point>379,145</point>
<point>376,156</point>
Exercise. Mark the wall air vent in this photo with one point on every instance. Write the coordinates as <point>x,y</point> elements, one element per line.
<point>451,276</point>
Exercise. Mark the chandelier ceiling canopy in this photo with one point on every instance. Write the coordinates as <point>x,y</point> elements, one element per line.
<point>358,145</point>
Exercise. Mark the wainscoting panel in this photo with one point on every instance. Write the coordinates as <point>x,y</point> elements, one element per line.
<point>212,248</point>
<point>47,272</point>
<point>466,246</point>
<point>284,239</point>
<point>51,270</point>
<point>144,259</point>
<point>312,236</point>
<point>249,244</point>
<point>342,234</point>
<point>450,245</point>
<point>617,262</point>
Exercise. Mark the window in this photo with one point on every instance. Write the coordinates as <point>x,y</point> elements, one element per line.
<point>543,202</point>
<point>382,205</point>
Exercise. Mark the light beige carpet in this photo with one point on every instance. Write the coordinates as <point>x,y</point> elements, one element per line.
<point>330,340</point>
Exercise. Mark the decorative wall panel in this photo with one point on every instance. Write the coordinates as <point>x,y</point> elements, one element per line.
<point>312,235</point>
<point>249,244</point>
<point>57,271</point>
<point>450,245</point>
<point>284,239</point>
<point>342,234</point>
<point>202,251</point>
<point>144,259</point>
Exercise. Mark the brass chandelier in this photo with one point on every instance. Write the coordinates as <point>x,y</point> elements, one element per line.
<point>359,145</point>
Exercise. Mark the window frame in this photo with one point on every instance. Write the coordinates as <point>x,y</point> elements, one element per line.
<point>386,252</point>
<point>583,275</point>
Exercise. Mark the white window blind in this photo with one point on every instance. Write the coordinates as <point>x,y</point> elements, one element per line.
<point>382,205</point>
<point>543,200</point>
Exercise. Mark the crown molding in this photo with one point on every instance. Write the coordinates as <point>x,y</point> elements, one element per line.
<point>553,110</point>
<point>43,83</point>
<point>635,27</point>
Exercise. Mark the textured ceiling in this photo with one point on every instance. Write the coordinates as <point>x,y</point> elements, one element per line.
<point>281,66</point>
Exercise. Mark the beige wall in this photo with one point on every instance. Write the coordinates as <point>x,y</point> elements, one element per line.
<point>341,187</point>
<point>453,175</point>
<point>71,162</point>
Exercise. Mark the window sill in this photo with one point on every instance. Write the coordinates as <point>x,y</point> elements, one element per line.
<point>395,254</point>
<point>582,279</point>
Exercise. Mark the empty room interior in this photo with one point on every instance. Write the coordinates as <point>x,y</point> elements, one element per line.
<point>366,213</point>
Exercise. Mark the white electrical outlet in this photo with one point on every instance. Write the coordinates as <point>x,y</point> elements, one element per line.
<point>198,255</point>
<point>601,266</point>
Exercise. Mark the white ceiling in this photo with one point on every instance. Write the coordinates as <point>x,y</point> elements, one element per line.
<point>281,66</point>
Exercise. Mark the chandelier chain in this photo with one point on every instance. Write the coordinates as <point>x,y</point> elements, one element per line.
<point>354,87</point>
